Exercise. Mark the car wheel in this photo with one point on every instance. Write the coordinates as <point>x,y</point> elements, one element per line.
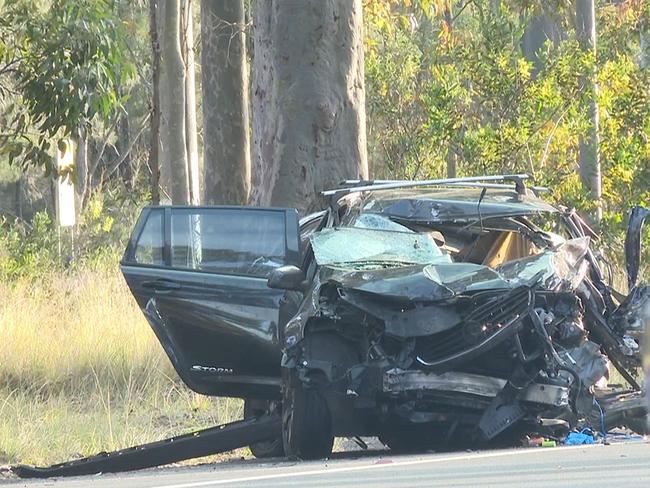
<point>264,449</point>
<point>306,421</point>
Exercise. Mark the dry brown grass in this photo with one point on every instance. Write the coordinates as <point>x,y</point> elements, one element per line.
<point>81,372</point>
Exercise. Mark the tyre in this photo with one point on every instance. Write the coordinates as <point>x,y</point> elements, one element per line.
<point>306,421</point>
<point>266,449</point>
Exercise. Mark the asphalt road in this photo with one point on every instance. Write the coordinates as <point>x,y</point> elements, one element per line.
<point>623,465</point>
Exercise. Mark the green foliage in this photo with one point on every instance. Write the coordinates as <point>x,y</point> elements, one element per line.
<point>445,84</point>
<point>62,63</point>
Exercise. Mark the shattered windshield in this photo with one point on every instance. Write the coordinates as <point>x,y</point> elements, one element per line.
<point>355,245</point>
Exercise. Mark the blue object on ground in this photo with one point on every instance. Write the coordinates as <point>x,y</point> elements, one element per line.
<point>578,438</point>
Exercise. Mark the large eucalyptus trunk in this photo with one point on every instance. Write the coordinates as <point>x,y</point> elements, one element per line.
<point>224,76</point>
<point>540,28</point>
<point>309,123</point>
<point>590,142</point>
<point>173,92</point>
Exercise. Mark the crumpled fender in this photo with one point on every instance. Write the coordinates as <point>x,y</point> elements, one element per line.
<point>638,215</point>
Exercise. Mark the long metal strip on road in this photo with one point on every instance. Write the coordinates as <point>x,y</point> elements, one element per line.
<point>624,462</point>
<point>197,444</point>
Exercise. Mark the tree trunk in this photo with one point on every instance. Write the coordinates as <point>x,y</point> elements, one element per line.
<point>451,159</point>
<point>187,43</point>
<point>309,122</point>
<point>123,144</point>
<point>81,167</point>
<point>589,142</point>
<point>452,162</point>
<point>224,71</point>
<point>644,43</point>
<point>164,160</point>
<point>154,122</point>
<point>19,196</point>
<point>644,55</point>
<point>540,28</point>
<point>174,70</point>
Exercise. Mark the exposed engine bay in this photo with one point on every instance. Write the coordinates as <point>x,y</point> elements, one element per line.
<point>423,329</point>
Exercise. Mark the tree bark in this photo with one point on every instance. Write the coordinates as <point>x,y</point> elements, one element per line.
<point>174,69</point>
<point>589,160</point>
<point>187,38</point>
<point>81,167</point>
<point>644,43</point>
<point>309,123</point>
<point>164,159</point>
<point>451,158</point>
<point>540,28</point>
<point>123,143</point>
<point>154,121</point>
<point>226,125</point>
<point>19,196</point>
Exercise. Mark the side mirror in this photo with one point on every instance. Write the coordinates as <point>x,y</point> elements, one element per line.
<point>287,278</point>
<point>638,216</point>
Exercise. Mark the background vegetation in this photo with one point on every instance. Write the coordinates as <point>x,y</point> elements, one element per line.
<point>450,89</point>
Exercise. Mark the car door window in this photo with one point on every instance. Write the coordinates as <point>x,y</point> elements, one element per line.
<point>230,241</point>
<point>149,248</point>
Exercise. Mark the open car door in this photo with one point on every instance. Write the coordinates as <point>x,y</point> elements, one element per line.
<point>200,275</point>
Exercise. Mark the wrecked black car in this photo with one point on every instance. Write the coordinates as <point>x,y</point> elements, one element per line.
<point>425,313</point>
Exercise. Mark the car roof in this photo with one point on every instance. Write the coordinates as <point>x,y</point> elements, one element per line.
<point>450,204</point>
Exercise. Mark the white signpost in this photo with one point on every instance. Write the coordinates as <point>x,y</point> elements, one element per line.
<point>65,208</point>
<point>64,192</point>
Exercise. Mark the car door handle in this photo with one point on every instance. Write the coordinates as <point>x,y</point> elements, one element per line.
<point>161,285</point>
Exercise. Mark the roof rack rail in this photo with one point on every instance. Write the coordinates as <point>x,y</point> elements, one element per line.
<point>498,186</point>
<point>518,179</point>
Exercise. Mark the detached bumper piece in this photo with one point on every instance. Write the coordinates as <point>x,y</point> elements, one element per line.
<point>197,444</point>
<point>399,381</point>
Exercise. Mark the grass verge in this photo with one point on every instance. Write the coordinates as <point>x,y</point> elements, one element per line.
<point>81,372</point>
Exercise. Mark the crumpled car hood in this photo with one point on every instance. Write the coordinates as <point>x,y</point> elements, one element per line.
<point>419,282</point>
<point>564,265</point>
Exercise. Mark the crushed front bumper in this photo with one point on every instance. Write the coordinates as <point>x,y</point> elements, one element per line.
<point>397,381</point>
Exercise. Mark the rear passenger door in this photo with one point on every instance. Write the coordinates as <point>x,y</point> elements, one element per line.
<point>199,274</point>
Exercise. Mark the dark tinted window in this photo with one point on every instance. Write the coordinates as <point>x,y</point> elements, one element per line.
<point>229,241</point>
<point>149,248</point>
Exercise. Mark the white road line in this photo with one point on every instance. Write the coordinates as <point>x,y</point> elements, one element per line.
<point>366,467</point>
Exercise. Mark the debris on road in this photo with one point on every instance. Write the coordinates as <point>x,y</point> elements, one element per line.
<point>579,438</point>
